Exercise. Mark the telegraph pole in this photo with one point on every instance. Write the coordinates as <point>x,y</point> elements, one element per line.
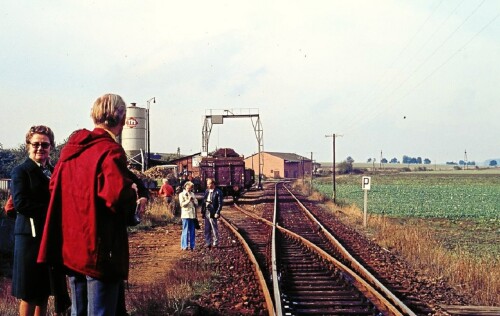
<point>312,172</point>
<point>334,189</point>
<point>381,159</point>
<point>149,131</point>
<point>465,160</point>
<point>303,176</point>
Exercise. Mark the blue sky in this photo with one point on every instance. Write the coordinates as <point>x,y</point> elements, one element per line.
<point>417,78</point>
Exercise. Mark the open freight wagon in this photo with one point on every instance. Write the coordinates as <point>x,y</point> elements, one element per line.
<point>227,168</point>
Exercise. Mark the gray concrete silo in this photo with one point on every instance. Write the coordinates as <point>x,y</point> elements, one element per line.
<point>134,133</point>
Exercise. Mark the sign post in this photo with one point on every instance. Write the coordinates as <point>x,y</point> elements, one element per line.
<point>365,185</point>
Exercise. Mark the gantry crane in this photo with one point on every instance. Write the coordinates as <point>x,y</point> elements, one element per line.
<point>212,118</point>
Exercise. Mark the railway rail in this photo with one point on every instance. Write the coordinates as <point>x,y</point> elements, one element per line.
<point>303,269</point>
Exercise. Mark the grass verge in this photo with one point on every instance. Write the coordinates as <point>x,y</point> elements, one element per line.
<point>173,294</point>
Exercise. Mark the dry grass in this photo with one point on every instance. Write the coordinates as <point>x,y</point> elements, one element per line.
<point>172,294</point>
<point>305,190</point>
<point>156,214</point>
<point>475,277</point>
<point>8,303</point>
<point>151,300</point>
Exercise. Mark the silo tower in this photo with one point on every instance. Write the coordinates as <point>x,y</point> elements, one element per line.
<point>134,135</point>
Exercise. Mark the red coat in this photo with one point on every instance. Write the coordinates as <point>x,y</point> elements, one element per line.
<point>91,194</point>
<point>166,190</point>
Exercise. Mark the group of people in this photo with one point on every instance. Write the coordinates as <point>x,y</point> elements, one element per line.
<point>72,218</point>
<point>211,207</point>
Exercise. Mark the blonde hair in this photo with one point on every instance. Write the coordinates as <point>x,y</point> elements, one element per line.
<point>109,109</point>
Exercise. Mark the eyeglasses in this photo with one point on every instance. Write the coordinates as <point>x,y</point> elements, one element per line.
<point>44,145</point>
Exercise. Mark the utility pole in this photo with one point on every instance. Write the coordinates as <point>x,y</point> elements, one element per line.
<point>334,189</point>
<point>312,172</point>
<point>303,176</point>
<point>465,159</point>
<point>149,132</point>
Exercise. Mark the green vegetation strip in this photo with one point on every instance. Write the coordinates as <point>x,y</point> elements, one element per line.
<point>424,195</point>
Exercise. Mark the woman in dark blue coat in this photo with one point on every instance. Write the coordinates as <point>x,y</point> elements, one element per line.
<point>30,192</point>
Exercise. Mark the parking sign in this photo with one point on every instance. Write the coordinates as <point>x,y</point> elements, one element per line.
<point>366,182</point>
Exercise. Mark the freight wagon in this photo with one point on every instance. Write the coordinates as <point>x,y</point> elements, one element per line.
<point>249,178</point>
<point>227,168</point>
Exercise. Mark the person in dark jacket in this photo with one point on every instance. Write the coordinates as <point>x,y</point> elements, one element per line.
<point>210,210</point>
<point>30,191</point>
<point>92,195</point>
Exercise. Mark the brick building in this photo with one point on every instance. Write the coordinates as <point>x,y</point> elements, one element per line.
<point>188,165</point>
<point>280,165</point>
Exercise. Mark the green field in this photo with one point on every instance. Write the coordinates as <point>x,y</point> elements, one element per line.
<point>453,195</point>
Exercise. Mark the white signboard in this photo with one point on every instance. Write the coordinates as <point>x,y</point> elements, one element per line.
<point>196,161</point>
<point>366,182</point>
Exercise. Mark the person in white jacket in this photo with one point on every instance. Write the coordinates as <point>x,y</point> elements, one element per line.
<point>188,203</point>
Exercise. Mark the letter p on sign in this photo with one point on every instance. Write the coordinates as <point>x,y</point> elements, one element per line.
<point>366,183</point>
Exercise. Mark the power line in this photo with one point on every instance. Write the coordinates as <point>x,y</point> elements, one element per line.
<point>370,94</point>
<point>431,36</point>
<point>377,110</point>
<point>450,57</point>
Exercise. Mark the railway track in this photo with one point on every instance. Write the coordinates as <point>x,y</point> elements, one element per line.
<point>304,271</point>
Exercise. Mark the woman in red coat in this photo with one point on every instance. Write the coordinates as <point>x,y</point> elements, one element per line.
<point>92,194</point>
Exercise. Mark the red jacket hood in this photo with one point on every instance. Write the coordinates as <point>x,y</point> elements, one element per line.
<point>81,140</point>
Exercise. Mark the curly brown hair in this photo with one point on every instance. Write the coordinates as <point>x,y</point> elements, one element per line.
<point>40,129</point>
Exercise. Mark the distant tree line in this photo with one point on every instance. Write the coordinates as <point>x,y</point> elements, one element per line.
<point>346,166</point>
<point>406,160</point>
<point>461,163</point>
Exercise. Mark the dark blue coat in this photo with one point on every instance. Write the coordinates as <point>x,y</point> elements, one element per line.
<point>30,192</point>
<point>217,200</point>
